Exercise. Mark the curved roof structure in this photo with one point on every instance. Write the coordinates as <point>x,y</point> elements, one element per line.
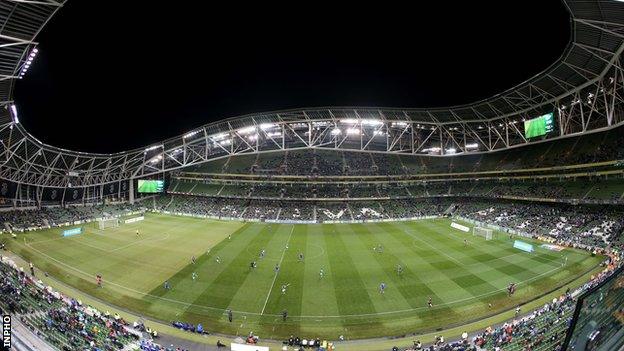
<point>583,87</point>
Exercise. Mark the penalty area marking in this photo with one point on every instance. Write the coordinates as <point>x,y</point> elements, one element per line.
<point>211,308</point>
<point>78,241</point>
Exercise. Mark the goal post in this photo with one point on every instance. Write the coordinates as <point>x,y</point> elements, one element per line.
<point>104,223</point>
<point>486,233</point>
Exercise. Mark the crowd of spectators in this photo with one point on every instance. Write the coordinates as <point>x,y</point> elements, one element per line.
<point>18,220</point>
<point>590,148</point>
<point>595,190</point>
<point>542,329</point>
<point>592,225</point>
<point>63,322</point>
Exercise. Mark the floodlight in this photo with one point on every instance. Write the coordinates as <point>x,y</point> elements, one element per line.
<point>265,126</point>
<point>371,122</point>
<point>247,130</point>
<point>349,121</point>
<point>14,113</point>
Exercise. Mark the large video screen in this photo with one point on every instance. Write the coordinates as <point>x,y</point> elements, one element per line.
<point>151,186</point>
<point>598,323</point>
<point>539,126</point>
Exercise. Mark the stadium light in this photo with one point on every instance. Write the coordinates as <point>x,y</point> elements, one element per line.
<point>432,149</point>
<point>247,130</point>
<point>352,131</point>
<point>400,124</point>
<point>29,60</point>
<point>153,148</point>
<point>14,113</point>
<point>472,146</point>
<point>220,136</point>
<point>265,126</point>
<point>190,134</point>
<point>349,121</point>
<point>451,150</point>
<point>275,134</point>
<point>319,124</point>
<point>156,159</point>
<point>371,122</point>
<point>336,131</point>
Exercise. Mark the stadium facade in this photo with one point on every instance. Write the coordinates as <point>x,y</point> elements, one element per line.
<point>583,89</point>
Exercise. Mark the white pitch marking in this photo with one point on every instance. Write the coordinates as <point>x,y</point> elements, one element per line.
<point>276,273</point>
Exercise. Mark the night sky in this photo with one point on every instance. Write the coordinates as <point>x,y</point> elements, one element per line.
<point>112,76</point>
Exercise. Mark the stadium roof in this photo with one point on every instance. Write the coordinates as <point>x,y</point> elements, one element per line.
<point>597,41</point>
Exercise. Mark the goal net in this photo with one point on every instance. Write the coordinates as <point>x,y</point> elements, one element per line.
<point>483,232</point>
<point>108,223</point>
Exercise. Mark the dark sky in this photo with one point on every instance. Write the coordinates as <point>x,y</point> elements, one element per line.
<point>110,77</point>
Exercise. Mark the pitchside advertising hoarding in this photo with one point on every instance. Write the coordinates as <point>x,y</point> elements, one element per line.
<point>6,332</point>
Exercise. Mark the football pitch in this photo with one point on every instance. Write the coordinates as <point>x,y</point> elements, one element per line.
<point>464,282</point>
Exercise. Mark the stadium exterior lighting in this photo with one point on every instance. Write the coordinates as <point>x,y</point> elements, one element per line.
<point>472,146</point>
<point>371,122</point>
<point>400,124</point>
<point>432,149</point>
<point>451,150</point>
<point>349,121</point>
<point>220,136</point>
<point>319,124</point>
<point>190,134</point>
<point>156,159</point>
<point>14,113</point>
<point>275,134</point>
<point>29,61</point>
<point>336,131</point>
<point>265,126</point>
<point>247,130</point>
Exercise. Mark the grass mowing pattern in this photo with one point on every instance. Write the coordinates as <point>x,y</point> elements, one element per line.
<point>461,280</point>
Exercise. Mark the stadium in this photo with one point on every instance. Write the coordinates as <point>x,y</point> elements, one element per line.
<point>494,225</point>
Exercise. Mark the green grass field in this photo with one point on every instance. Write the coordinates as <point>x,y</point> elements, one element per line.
<point>461,281</point>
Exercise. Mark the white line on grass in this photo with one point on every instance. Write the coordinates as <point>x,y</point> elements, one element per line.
<point>519,253</point>
<point>276,273</point>
<point>440,251</point>
<point>79,241</point>
<point>165,237</point>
